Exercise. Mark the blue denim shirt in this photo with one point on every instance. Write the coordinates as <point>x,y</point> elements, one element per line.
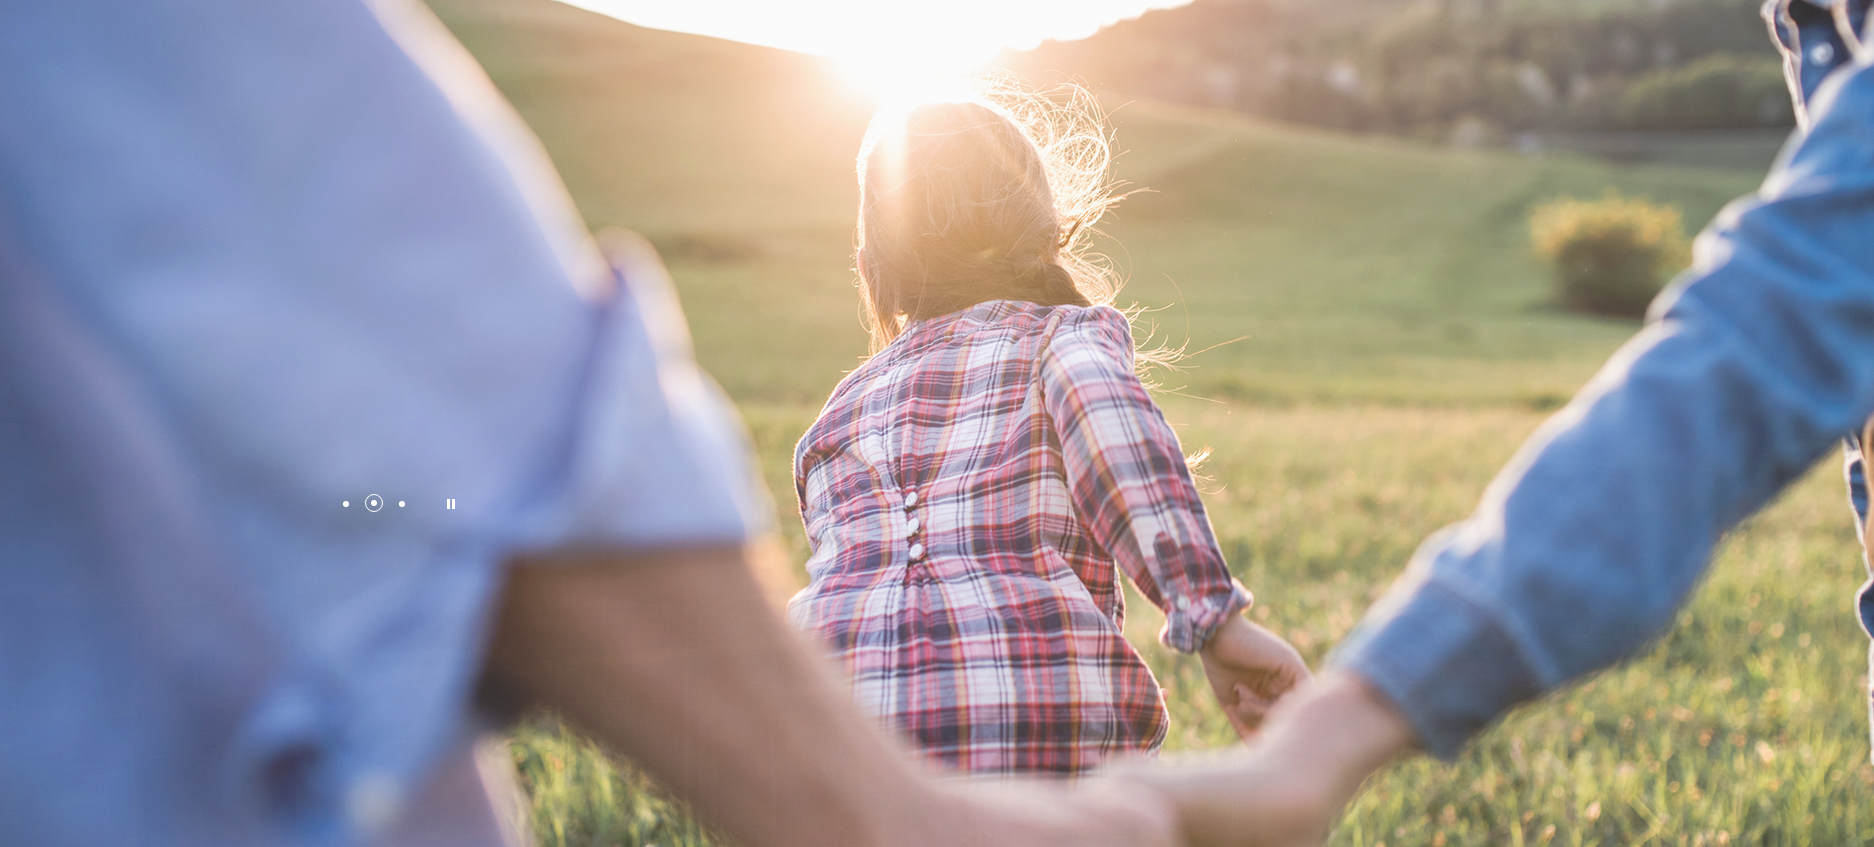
<point>1752,365</point>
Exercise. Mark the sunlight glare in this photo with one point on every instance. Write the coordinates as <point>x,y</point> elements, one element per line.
<point>894,49</point>
<point>887,78</point>
<point>882,49</point>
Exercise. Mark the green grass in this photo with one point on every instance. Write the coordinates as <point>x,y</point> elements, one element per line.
<point>1745,719</point>
<point>1365,269</point>
<point>1401,343</point>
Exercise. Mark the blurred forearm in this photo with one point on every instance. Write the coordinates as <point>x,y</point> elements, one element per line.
<point>675,660</point>
<point>1592,537</point>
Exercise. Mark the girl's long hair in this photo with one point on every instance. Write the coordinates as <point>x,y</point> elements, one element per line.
<point>989,196</point>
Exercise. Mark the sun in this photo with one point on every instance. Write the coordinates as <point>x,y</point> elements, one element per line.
<point>894,76</point>
<point>882,48</point>
<point>889,58</point>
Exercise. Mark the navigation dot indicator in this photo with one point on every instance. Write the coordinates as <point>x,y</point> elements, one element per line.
<point>346,504</point>
<point>373,503</point>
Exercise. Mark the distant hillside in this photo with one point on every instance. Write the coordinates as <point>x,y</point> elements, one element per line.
<point>1365,269</point>
<point>664,131</point>
<point>1438,67</point>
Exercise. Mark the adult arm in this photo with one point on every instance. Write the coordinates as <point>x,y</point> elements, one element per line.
<point>1588,541</point>
<point>1593,535</point>
<point>673,659</point>
<point>1854,473</point>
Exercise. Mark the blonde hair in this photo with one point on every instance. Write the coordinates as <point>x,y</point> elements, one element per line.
<point>992,195</point>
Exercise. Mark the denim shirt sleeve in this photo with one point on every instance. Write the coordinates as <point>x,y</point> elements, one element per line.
<point>1752,365</point>
<point>1854,471</point>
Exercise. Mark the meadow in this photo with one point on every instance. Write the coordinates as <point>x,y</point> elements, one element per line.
<point>1375,339</point>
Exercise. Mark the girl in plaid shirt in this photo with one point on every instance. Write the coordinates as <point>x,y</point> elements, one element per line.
<point>971,490</point>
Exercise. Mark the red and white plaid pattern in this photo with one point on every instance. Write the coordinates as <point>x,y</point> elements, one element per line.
<point>967,493</point>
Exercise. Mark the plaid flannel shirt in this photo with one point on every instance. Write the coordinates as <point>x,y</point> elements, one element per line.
<point>967,494</point>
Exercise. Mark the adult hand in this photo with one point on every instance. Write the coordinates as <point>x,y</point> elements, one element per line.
<point>1097,813</point>
<point>1288,787</point>
<point>1249,669</point>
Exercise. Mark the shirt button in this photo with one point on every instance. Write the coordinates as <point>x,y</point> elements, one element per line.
<point>1821,54</point>
<point>1183,603</point>
<point>910,499</point>
<point>911,528</point>
<point>917,551</point>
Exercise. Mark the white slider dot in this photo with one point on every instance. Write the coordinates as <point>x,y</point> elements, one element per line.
<point>373,802</point>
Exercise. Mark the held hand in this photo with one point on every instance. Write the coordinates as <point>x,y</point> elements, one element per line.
<point>1098,813</point>
<point>1289,786</point>
<point>1249,669</point>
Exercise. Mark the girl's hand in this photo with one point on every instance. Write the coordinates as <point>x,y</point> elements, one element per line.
<point>1288,786</point>
<point>1250,668</point>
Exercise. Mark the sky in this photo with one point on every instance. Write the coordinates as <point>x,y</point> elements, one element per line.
<point>883,43</point>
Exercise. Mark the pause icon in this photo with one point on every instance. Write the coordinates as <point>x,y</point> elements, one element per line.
<point>450,502</point>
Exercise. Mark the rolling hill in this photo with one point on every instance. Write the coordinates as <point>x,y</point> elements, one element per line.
<point>1360,268</point>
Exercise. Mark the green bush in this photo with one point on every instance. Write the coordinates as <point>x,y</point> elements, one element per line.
<point>1612,255</point>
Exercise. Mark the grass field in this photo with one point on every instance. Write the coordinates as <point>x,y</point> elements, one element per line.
<point>1400,344</point>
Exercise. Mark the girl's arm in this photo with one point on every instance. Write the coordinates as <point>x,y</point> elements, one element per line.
<point>1130,486</point>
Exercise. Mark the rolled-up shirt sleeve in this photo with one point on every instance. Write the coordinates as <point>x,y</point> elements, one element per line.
<point>315,290</point>
<point>1753,364</point>
<point>654,454</point>
<point>1129,481</point>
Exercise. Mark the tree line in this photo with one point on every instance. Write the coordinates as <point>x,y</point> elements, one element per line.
<point>1431,67</point>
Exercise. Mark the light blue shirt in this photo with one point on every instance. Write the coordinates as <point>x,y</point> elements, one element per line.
<point>257,261</point>
<point>1752,365</point>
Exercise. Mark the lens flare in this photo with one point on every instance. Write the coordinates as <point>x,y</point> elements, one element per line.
<point>896,78</point>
